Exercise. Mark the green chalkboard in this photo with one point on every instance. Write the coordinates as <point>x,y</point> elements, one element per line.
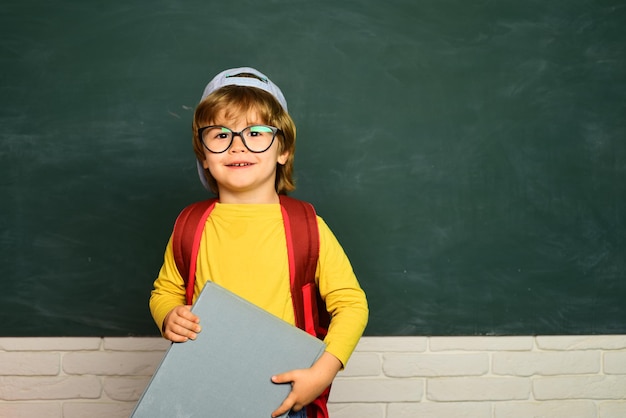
<point>469,155</point>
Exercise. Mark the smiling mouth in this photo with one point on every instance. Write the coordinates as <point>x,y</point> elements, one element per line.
<point>239,165</point>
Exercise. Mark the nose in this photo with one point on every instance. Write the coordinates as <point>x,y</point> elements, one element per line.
<point>237,145</point>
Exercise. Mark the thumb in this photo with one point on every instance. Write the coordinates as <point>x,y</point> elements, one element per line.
<point>283,378</point>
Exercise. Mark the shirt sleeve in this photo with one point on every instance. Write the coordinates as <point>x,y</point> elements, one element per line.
<point>169,289</point>
<point>345,300</point>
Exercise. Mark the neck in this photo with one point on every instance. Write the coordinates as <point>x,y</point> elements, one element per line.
<point>249,198</point>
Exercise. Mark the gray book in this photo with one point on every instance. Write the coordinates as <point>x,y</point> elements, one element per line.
<point>226,371</point>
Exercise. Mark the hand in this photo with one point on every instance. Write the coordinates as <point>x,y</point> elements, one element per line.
<point>181,324</point>
<point>307,384</point>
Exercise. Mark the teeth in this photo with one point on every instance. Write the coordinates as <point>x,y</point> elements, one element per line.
<point>240,164</point>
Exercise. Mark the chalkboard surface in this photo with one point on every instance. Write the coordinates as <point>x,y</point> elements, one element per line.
<point>470,156</point>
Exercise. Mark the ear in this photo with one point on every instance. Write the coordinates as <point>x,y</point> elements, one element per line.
<point>282,158</point>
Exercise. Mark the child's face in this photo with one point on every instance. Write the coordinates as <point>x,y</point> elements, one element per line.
<point>242,175</point>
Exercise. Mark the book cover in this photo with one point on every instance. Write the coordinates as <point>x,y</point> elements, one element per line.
<point>226,371</point>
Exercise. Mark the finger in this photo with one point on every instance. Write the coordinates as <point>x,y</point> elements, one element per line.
<point>186,329</point>
<point>175,338</point>
<point>175,333</point>
<point>188,315</point>
<point>186,319</point>
<point>188,325</point>
<point>180,330</point>
<point>283,378</point>
<point>285,407</point>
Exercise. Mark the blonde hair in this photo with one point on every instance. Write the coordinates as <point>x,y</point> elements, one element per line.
<point>234,99</point>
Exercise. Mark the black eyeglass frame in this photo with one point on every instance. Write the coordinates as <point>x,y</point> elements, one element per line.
<point>274,130</point>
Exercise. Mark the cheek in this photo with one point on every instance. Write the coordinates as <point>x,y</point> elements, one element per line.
<point>209,160</point>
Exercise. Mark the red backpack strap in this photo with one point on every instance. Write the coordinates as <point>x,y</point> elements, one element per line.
<point>186,241</point>
<point>319,407</point>
<point>303,248</point>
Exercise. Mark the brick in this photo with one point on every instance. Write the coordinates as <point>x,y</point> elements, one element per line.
<point>363,364</point>
<point>522,343</point>
<point>29,364</point>
<point>136,344</point>
<point>387,344</point>
<point>455,389</point>
<point>387,377</point>
<point>125,388</point>
<point>97,409</point>
<point>440,410</point>
<point>433,365</point>
<point>546,363</point>
<point>112,363</point>
<point>46,388</point>
<point>550,409</point>
<point>377,390</point>
<point>49,343</point>
<point>615,362</point>
<point>30,410</point>
<point>612,409</point>
<point>360,410</point>
<point>580,387</point>
<point>581,342</point>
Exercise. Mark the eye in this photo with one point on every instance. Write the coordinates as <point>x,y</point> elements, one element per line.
<point>220,133</point>
<point>260,130</point>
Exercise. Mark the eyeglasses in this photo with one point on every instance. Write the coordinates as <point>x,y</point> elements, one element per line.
<point>256,138</point>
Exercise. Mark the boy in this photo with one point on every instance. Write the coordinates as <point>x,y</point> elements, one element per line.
<point>244,141</point>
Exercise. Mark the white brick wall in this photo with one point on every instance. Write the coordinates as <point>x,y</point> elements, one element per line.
<point>387,377</point>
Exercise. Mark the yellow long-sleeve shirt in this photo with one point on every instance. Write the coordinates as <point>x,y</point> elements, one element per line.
<point>243,249</point>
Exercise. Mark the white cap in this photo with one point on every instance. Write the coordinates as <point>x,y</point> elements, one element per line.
<point>231,78</point>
